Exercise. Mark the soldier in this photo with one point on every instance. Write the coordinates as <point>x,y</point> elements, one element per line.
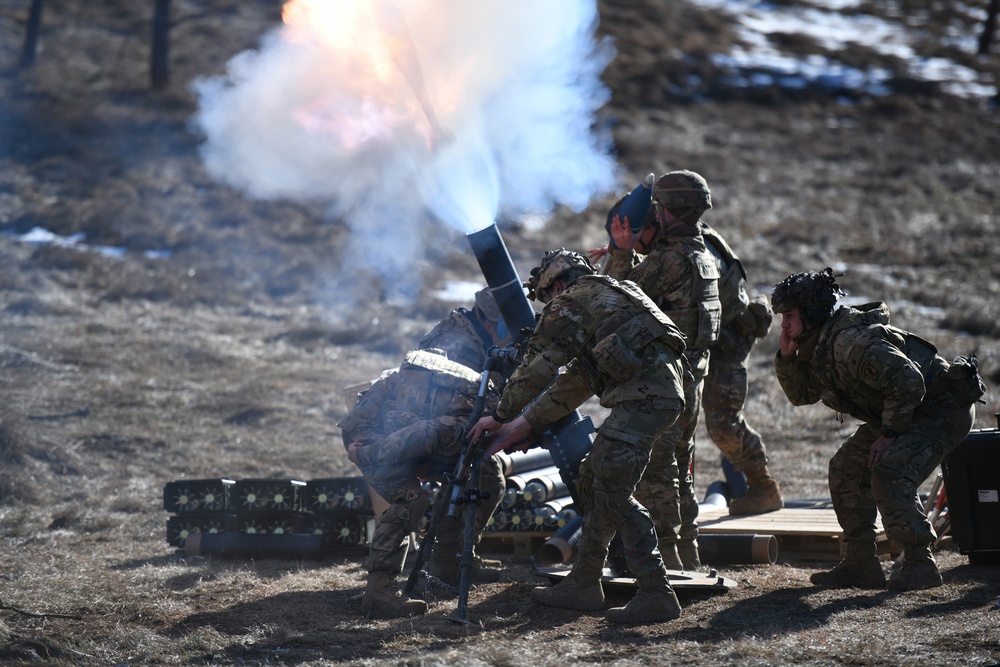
<point>725,392</point>
<point>915,408</point>
<point>465,335</point>
<point>681,276</point>
<point>411,424</point>
<point>615,343</point>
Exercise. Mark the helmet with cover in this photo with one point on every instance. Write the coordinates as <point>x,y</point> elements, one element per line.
<point>487,311</point>
<point>814,293</point>
<point>487,305</point>
<point>684,193</point>
<point>561,264</point>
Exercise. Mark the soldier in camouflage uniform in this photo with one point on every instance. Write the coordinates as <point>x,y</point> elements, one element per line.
<point>725,392</point>
<point>914,406</point>
<point>681,276</point>
<point>615,343</point>
<point>411,425</point>
<point>465,335</point>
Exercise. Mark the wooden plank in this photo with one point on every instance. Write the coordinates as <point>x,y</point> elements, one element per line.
<point>803,533</point>
<point>786,521</point>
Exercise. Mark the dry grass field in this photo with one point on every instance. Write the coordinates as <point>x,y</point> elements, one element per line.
<point>218,341</point>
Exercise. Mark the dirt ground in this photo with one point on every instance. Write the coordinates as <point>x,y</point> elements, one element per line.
<point>216,345</point>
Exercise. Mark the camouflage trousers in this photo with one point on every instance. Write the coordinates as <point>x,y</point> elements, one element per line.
<point>722,401</point>
<point>428,450</point>
<point>890,487</point>
<point>667,488</point>
<point>608,477</point>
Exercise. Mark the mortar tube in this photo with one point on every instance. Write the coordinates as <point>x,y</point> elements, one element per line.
<point>737,549</point>
<point>717,495</point>
<point>564,544</point>
<point>573,432</point>
<point>735,479</point>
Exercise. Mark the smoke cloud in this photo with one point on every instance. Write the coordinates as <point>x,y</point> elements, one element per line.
<point>399,112</point>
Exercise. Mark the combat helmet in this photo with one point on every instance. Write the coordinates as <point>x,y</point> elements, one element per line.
<point>684,193</point>
<point>487,305</point>
<point>814,293</point>
<point>556,264</point>
<point>489,311</point>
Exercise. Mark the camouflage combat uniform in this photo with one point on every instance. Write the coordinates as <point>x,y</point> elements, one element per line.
<point>725,389</point>
<point>463,336</point>
<point>613,342</point>
<point>413,422</point>
<point>681,276</point>
<point>897,384</point>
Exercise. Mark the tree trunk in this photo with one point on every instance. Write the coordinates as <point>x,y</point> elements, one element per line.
<point>989,28</point>
<point>31,36</point>
<point>160,65</point>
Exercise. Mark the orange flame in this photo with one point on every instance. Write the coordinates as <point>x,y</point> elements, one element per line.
<point>370,84</point>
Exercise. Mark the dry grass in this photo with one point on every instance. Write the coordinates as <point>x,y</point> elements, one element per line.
<point>227,358</point>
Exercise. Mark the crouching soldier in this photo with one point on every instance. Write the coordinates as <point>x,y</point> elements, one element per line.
<point>615,343</point>
<point>914,406</point>
<point>411,425</point>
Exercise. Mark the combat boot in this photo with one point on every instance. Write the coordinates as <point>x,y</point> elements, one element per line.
<point>860,569</point>
<point>383,598</point>
<point>688,552</point>
<point>671,559</point>
<point>763,494</point>
<point>655,602</point>
<point>580,590</point>
<point>917,571</point>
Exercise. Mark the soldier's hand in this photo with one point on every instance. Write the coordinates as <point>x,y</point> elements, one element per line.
<point>352,451</point>
<point>621,233</point>
<point>597,253</point>
<point>788,344</point>
<point>483,428</point>
<point>511,433</point>
<point>881,444</point>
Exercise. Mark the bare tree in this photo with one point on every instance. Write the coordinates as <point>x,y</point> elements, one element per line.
<point>31,35</point>
<point>160,64</point>
<point>989,28</point>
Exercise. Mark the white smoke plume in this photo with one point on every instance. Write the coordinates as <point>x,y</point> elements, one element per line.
<point>395,112</point>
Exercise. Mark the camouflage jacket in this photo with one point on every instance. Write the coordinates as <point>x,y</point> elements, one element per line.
<point>681,276</point>
<point>613,342</point>
<point>857,364</point>
<point>460,338</point>
<point>424,388</point>
<point>732,276</point>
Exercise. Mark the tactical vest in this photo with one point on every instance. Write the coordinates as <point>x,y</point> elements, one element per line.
<point>430,385</point>
<point>617,343</point>
<point>921,352</point>
<point>702,321</point>
<point>732,279</point>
